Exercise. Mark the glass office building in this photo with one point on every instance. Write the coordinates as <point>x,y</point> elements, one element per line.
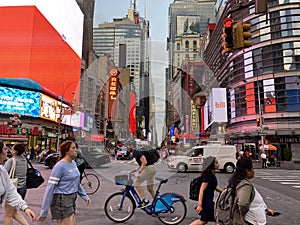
<point>263,81</point>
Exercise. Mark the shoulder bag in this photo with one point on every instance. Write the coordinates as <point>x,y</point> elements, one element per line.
<point>12,173</point>
<point>33,177</point>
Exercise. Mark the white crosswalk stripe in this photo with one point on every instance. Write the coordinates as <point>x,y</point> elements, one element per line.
<point>292,180</point>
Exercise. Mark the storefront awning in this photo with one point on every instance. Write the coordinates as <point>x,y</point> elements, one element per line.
<point>270,147</point>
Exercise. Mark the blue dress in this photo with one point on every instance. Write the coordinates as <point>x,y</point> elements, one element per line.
<point>208,205</point>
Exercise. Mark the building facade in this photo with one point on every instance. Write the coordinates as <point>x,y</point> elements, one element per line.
<point>188,22</point>
<point>125,40</point>
<point>262,81</point>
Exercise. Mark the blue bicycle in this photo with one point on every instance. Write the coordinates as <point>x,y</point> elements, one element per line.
<point>169,208</point>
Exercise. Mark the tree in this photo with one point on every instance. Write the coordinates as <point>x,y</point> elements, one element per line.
<point>287,154</point>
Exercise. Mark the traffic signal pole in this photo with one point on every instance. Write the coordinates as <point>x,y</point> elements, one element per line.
<point>260,116</point>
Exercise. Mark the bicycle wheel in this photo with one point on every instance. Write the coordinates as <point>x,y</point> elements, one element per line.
<point>90,183</point>
<point>176,215</point>
<point>116,213</point>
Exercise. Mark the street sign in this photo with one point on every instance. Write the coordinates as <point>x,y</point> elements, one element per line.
<point>262,134</point>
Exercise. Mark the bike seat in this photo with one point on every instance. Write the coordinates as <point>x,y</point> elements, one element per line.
<point>161,180</point>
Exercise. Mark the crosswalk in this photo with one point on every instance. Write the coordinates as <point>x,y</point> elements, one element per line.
<point>290,178</point>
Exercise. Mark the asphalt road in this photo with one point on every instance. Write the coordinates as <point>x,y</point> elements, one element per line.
<point>280,189</point>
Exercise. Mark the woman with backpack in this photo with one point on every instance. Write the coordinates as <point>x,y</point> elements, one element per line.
<point>249,207</point>
<point>209,185</point>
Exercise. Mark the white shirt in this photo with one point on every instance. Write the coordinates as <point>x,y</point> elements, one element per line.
<point>256,214</point>
<point>263,156</point>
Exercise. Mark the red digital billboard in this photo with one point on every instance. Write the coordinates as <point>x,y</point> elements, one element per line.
<point>41,40</point>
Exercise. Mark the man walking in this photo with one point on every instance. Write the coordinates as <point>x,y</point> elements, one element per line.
<point>264,160</point>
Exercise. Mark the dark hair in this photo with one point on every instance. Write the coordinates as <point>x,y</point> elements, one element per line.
<point>1,146</point>
<point>19,149</point>
<point>209,168</point>
<point>242,165</point>
<point>64,148</point>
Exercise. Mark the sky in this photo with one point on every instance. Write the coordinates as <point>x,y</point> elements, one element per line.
<point>156,11</point>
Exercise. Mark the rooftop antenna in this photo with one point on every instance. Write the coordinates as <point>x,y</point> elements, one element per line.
<point>133,4</point>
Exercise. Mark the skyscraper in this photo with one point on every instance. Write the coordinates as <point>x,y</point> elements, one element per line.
<point>189,17</point>
<point>126,41</point>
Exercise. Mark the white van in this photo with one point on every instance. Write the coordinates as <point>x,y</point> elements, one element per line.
<point>193,158</point>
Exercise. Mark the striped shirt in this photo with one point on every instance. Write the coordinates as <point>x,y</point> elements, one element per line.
<point>64,179</point>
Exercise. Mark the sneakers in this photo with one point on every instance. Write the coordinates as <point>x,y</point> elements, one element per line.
<point>144,204</point>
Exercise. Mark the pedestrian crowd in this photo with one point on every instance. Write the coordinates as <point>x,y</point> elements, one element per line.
<point>248,206</point>
<point>61,191</point>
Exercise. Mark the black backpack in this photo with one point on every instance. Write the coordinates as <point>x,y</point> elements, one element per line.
<point>195,185</point>
<point>224,207</point>
<point>152,156</point>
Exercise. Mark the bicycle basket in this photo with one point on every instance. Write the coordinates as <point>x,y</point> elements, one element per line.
<point>123,180</point>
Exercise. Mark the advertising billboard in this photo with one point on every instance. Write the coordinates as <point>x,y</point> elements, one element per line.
<point>250,99</point>
<point>77,119</point>
<point>88,122</point>
<point>48,108</point>
<point>50,49</point>
<point>219,105</point>
<point>269,95</point>
<point>132,123</point>
<point>24,102</point>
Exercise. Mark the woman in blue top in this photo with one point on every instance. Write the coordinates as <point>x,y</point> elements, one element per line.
<point>63,187</point>
<point>205,206</point>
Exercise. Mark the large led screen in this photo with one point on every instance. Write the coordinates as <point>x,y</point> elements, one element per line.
<point>50,46</point>
<point>24,102</point>
<point>48,107</point>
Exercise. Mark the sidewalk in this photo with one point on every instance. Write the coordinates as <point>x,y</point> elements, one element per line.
<point>34,197</point>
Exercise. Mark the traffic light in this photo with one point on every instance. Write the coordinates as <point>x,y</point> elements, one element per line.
<point>227,36</point>
<point>258,122</point>
<point>243,35</point>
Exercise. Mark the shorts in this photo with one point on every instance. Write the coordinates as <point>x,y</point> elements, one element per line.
<point>63,205</point>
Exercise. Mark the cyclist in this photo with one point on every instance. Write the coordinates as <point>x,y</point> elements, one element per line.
<point>145,172</point>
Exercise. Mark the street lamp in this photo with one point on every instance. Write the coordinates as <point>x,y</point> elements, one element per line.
<point>60,112</point>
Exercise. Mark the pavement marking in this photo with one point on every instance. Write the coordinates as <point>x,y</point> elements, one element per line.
<point>270,177</point>
<point>284,180</point>
<point>296,186</point>
<point>294,183</point>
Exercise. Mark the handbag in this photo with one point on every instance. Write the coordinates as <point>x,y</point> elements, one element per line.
<point>12,173</point>
<point>33,177</point>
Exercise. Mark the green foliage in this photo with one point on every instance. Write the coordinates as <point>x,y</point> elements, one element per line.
<point>287,154</point>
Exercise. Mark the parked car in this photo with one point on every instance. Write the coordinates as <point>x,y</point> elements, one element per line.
<point>96,156</point>
<point>123,154</point>
<point>51,160</point>
<point>193,158</point>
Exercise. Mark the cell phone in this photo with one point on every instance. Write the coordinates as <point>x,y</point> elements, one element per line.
<point>274,214</point>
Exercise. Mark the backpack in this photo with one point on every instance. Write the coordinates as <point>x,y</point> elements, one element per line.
<point>152,156</point>
<point>195,185</point>
<point>224,207</point>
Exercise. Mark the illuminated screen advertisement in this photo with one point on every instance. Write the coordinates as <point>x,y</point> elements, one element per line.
<point>19,101</point>
<point>48,108</point>
<point>77,119</point>
<point>219,105</point>
<point>250,99</point>
<point>49,30</point>
<point>88,122</point>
